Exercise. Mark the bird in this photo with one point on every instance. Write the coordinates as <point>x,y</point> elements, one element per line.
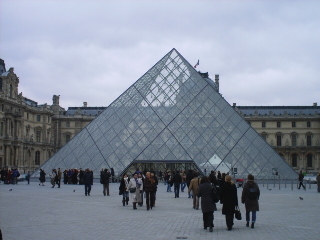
<point>301,198</point>
<point>74,190</point>
<point>10,190</point>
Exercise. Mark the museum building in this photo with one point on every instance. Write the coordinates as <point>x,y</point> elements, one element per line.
<point>31,133</point>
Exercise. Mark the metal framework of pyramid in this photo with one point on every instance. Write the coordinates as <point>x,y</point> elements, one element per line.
<point>171,114</point>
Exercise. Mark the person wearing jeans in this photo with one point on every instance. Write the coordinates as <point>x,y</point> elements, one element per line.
<point>250,197</point>
<point>176,183</point>
<point>88,181</point>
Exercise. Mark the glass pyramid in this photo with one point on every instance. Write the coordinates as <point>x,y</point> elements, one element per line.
<point>170,115</point>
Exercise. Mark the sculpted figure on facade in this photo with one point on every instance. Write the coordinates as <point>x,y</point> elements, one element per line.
<point>55,99</point>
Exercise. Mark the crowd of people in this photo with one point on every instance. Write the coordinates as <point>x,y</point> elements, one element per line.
<point>204,190</point>
<point>9,176</point>
<point>144,185</point>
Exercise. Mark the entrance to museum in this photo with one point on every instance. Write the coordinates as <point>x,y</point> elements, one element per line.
<point>160,166</point>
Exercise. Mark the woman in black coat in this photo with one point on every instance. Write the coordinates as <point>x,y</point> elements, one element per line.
<point>229,199</point>
<point>207,204</point>
<point>42,177</point>
<point>250,197</point>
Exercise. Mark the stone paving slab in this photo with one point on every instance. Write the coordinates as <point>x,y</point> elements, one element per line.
<point>41,212</point>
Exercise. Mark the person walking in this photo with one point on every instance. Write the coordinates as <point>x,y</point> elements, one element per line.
<point>176,179</point>
<point>59,175</point>
<point>207,204</point>
<point>183,183</point>
<point>301,177</point>
<point>105,179</point>
<point>149,188</point>
<point>42,177</point>
<point>53,176</point>
<point>250,197</point>
<point>194,185</point>
<point>135,186</point>
<point>141,177</point>
<point>156,188</point>
<point>189,177</point>
<point>87,181</point>
<point>124,190</point>
<point>28,177</point>
<point>229,199</point>
<point>318,181</point>
<point>168,181</point>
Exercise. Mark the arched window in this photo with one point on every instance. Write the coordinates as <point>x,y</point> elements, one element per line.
<point>37,158</point>
<point>309,160</point>
<point>294,160</point>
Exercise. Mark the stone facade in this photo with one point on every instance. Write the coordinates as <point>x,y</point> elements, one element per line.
<point>293,131</point>
<point>31,133</point>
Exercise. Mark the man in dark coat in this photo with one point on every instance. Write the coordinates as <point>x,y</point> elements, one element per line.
<point>176,179</point>
<point>207,204</point>
<point>301,177</point>
<point>105,179</point>
<point>250,197</point>
<point>229,199</point>
<point>87,181</point>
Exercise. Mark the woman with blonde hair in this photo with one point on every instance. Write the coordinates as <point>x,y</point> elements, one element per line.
<point>229,199</point>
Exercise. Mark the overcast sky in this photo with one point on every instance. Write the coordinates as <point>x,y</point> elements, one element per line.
<point>266,52</point>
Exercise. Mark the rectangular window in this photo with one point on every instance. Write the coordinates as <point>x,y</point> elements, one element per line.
<point>264,136</point>
<point>309,160</point>
<point>294,160</point>
<point>38,136</point>
<point>1,129</point>
<point>263,124</point>
<point>294,140</point>
<point>37,158</point>
<point>67,124</point>
<point>279,140</point>
<point>278,124</point>
<point>38,118</point>
<point>309,143</point>
<point>27,116</point>
<point>308,124</point>
<point>293,124</point>
<point>67,138</point>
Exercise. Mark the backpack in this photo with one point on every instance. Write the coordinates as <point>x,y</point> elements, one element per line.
<point>214,195</point>
<point>253,193</point>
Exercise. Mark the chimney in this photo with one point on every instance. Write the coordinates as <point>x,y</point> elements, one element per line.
<point>315,104</point>
<point>85,104</point>
<point>234,104</point>
<point>216,79</point>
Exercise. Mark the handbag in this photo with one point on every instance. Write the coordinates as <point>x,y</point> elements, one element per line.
<point>237,213</point>
<point>214,195</point>
<point>132,190</point>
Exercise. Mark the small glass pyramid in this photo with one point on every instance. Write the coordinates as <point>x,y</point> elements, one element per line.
<point>171,114</point>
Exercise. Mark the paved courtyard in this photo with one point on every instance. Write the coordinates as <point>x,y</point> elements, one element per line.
<point>45,213</point>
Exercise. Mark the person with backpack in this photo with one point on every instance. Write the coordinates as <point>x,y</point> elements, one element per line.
<point>250,197</point>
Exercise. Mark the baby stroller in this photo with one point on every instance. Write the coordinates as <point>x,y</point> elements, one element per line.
<point>239,182</point>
